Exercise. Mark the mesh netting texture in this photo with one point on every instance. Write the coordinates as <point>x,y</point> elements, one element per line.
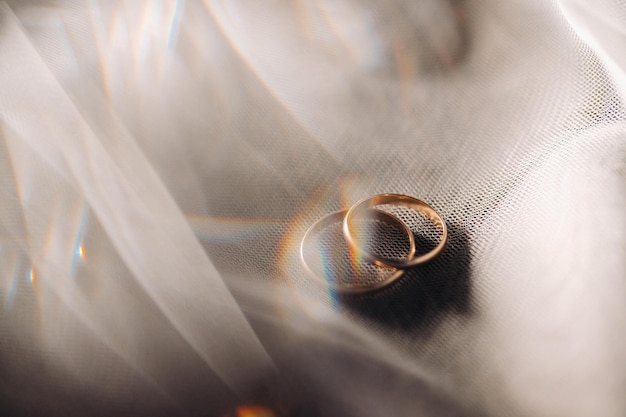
<point>162,161</point>
<point>331,260</point>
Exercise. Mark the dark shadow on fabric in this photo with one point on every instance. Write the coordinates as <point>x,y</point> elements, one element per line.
<point>425,293</point>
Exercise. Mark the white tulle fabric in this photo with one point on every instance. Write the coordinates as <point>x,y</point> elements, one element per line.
<point>160,161</point>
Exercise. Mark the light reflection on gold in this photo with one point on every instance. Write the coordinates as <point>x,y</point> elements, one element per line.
<point>287,257</point>
<point>81,251</point>
<point>32,275</point>
<point>344,193</point>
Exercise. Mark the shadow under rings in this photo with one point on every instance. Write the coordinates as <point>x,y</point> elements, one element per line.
<point>425,294</point>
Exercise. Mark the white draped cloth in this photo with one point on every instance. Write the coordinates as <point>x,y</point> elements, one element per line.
<point>160,162</point>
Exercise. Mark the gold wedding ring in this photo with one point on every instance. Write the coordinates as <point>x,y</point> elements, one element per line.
<point>386,269</point>
<point>395,200</point>
<point>357,286</point>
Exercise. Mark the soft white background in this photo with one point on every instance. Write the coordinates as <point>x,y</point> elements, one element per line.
<point>160,161</point>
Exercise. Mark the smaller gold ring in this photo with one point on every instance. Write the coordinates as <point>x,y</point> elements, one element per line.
<point>397,200</point>
<point>339,216</point>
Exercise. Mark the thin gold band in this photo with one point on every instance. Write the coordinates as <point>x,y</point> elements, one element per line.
<point>338,216</point>
<point>397,200</point>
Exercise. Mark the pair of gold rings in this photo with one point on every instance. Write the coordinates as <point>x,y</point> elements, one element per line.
<point>388,265</point>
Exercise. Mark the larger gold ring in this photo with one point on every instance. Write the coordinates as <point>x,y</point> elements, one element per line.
<point>355,288</point>
<point>397,200</point>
